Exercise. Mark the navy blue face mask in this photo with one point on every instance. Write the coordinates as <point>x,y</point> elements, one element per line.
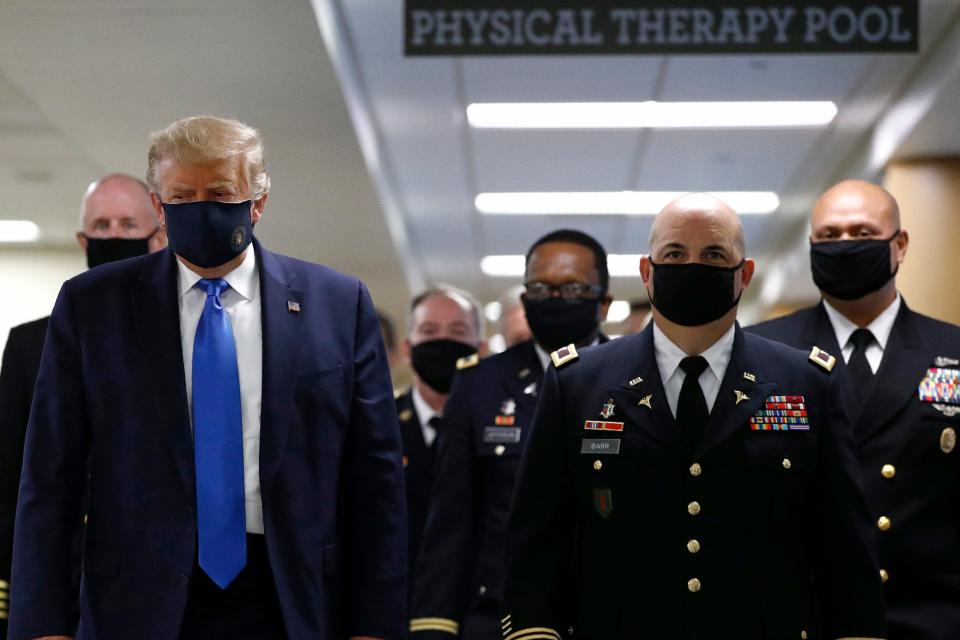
<point>209,233</point>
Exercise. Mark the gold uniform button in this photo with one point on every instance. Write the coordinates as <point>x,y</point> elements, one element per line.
<point>693,508</point>
<point>883,523</point>
<point>500,449</point>
<point>696,469</point>
<point>884,576</point>
<point>693,546</point>
<point>693,585</point>
<point>803,635</point>
<point>888,471</point>
<point>597,465</point>
<point>482,589</point>
<point>786,463</point>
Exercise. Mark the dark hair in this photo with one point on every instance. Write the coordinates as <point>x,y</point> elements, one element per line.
<point>389,333</point>
<point>578,237</point>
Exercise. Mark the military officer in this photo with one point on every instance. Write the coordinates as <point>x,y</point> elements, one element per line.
<point>691,481</point>
<point>445,324</point>
<point>459,574</point>
<point>904,369</point>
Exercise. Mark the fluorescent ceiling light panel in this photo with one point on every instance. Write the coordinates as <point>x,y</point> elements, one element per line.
<point>650,115</point>
<point>18,231</point>
<point>619,311</point>
<point>619,264</point>
<point>611,202</point>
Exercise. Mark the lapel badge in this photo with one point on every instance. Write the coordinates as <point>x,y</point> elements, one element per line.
<point>607,409</point>
<point>943,361</point>
<point>635,382</point>
<point>948,410</point>
<point>948,440</point>
<point>940,385</point>
<point>509,407</point>
<point>531,389</point>
<point>293,306</point>
<point>524,373</point>
<point>645,401</point>
<point>781,413</point>
<point>749,376</point>
<point>504,421</point>
<point>741,396</point>
<point>602,425</point>
<point>822,359</point>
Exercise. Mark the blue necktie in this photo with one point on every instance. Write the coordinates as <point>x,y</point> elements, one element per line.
<point>218,441</point>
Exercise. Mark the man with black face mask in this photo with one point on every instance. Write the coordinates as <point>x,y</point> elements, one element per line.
<point>116,222</point>
<point>246,476</point>
<point>445,327</point>
<point>458,581</point>
<point>690,481</point>
<point>904,400</point>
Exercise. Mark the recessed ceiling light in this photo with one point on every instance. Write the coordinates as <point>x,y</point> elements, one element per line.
<point>619,264</point>
<point>611,202</point>
<point>18,231</point>
<point>650,115</point>
<point>619,311</point>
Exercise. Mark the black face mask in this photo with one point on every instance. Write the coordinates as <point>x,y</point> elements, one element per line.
<point>436,361</point>
<point>555,323</point>
<point>693,294</point>
<point>851,269</point>
<point>103,250</point>
<point>209,233</point>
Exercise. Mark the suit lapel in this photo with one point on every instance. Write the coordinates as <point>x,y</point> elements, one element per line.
<point>156,310</point>
<point>281,337</point>
<point>903,365</point>
<point>641,398</point>
<point>738,397</point>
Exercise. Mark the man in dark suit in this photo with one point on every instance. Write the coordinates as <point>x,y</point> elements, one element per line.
<point>445,324</point>
<point>245,464</point>
<point>458,579</point>
<point>904,399</point>
<point>116,221</point>
<point>690,481</point>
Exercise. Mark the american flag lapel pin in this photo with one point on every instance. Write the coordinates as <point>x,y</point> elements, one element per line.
<point>293,306</point>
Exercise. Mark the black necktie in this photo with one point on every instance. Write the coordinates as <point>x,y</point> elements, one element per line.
<point>860,372</point>
<point>434,423</point>
<point>692,410</point>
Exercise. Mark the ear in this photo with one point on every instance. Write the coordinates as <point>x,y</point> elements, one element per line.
<point>900,248</point>
<point>645,271</point>
<point>82,241</point>
<point>158,209</point>
<point>158,240</point>
<point>256,211</point>
<point>746,272</point>
<point>406,349</point>
<point>605,303</point>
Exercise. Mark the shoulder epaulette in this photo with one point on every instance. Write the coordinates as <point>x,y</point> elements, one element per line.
<point>468,361</point>
<point>564,356</point>
<point>822,359</point>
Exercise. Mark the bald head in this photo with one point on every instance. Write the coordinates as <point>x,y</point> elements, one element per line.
<point>855,209</point>
<point>119,206</point>
<point>699,225</point>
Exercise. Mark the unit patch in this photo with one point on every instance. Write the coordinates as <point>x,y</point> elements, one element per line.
<point>940,385</point>
<point>603,502</point>
<point>781,413</point>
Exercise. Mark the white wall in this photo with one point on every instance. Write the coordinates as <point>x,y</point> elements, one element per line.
<point>30,281</point>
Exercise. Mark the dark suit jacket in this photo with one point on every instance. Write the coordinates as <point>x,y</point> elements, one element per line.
<point>754,535</point>
<point>21,360</point>
<point>920,553</point>
<point>418,472</point>
<point>111,381</point>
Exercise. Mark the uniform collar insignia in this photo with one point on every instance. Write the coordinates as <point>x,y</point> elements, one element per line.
<point>741,396</point>
<point>752,377</point>
<point>645,401</point>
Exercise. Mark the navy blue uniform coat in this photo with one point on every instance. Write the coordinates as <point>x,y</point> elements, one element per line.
<point>756,535</point>
<point>920,553</point>
<point>111,380</point>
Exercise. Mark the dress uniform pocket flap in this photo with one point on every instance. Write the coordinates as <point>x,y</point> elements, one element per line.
<point>101,561</point>
<point>331,561</point>
<point>320,377</point>
<point>784,452</point>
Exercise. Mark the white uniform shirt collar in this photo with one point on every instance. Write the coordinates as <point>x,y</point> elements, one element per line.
<point>669,355</point>
<point>243,279</point>
<point>881,327</point>
<point>424,411</point>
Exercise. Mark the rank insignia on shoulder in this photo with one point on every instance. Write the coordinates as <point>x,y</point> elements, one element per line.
<point>781,413</point>
<point>565,355</point>
<point>822,359</point>
<point>435,624</point>
<point>468,361</point>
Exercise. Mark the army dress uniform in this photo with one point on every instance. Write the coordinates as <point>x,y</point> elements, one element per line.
<point>621,530</point>
<point>906,431</point>
<point>418,457</point>
<point>457,583</point>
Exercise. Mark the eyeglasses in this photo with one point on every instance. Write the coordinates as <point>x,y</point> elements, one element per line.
<point>569,291</point>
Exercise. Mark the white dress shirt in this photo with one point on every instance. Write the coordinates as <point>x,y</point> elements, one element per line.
<point>881,327</point>
<point>242,303</point>
<point>669,355</point>
<point>425,413</point>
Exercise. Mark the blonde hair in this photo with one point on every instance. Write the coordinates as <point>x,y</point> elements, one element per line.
<point>206,139</point>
